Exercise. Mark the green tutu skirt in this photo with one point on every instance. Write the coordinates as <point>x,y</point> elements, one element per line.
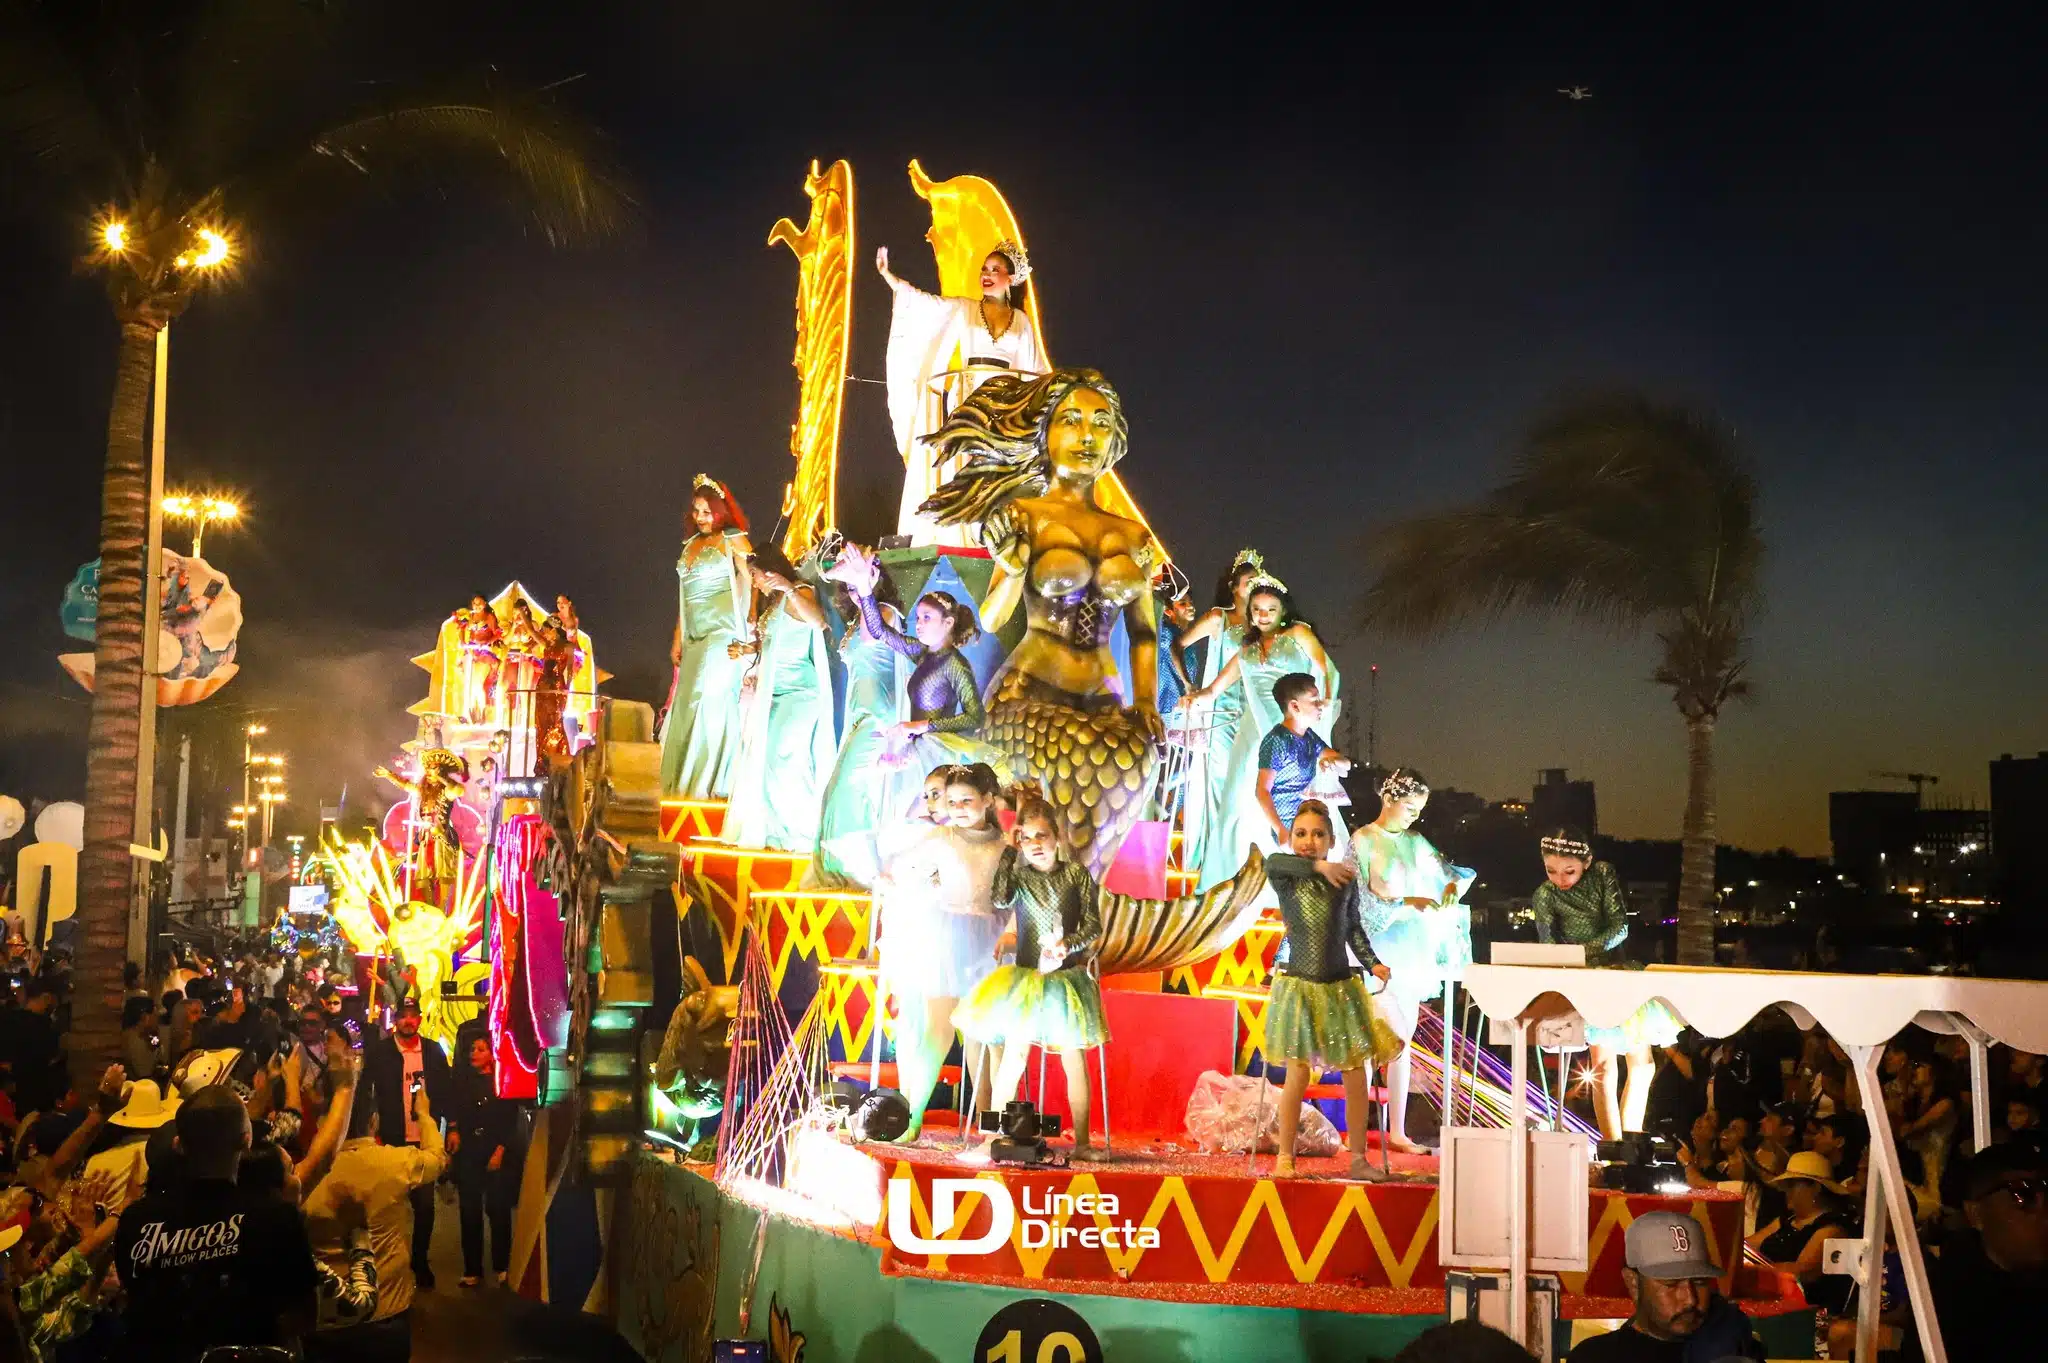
<point>1060,1009</point>
<point>1332,1025</point>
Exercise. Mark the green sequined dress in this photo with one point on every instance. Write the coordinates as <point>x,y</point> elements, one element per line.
<point>1320,1011</point>
<point>1594,914</point>
<point>1023,1004</point>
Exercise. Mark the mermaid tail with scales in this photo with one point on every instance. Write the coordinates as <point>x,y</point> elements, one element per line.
<point>1093,760</point>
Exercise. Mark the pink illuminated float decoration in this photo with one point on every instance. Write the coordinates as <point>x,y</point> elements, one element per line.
<point>529,979</point>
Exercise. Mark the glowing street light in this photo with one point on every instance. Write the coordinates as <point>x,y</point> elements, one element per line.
<point>214,249</point>
<point>202,511</point>
<point>115,235</point>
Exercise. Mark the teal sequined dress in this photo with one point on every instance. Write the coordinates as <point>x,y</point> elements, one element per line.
<point>1594,914</point>
<point>1022,1004</point>
<point>1319,1011</point>
<point>855,809</point>
<point>701,734</point>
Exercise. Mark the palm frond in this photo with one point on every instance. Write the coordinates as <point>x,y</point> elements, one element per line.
<point>1618,510</point>
<point>533,158</point>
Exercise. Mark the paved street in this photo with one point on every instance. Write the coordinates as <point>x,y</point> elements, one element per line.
<point>455,1324</point>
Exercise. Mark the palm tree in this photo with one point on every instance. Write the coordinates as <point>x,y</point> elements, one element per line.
<point>166,131</point>
<point>1629,514</point>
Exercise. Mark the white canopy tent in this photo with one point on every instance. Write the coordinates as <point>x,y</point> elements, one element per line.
<point>1861,1012</point>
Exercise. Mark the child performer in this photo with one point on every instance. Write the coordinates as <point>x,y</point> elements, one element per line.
<point>939,929</point>
<point>1292,754</point>
<point>1049,998</point>
<point>1319,1015</point>
<point>1581,902</point>
<point>1415,920</point>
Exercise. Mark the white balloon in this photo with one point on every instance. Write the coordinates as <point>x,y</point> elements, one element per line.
<point>12,816</point>
<point>63,822</point>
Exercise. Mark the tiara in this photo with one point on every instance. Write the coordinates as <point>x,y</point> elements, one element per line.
<point>1265,579</point>
<point>704,482</point>
<point>1020,263</point>
<point>1567,847</point>
<point>1399,785</point>
<point>1248,558</point>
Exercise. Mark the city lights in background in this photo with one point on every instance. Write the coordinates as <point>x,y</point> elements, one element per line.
<point>115,235</point>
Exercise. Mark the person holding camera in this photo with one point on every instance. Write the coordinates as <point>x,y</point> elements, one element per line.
<point>398,1066</point>
<point>379,1183</point>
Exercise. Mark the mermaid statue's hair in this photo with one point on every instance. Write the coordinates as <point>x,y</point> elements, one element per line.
<point>999,434</point>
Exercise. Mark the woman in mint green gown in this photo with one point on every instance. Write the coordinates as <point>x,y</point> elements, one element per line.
<point>1216,722</point>
<point>786,745</point>
<point>1415,919</point>
<point>1271,647</point>
<point>851,823</point>
<point>700,733</point>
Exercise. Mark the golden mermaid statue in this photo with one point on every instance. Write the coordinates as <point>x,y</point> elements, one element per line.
<point>1029,453</point>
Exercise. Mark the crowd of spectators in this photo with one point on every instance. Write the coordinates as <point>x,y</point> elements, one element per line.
<point>1777,1115</point>
<point>260,1167</point>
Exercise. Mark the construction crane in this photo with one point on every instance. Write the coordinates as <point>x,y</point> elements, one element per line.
<point>1920,779</point>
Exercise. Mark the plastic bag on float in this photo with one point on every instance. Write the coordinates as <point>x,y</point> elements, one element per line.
<point>1220,1113</point>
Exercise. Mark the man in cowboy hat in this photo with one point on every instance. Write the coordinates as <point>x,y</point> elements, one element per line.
<point>125,1161</point>
<point>1680,1315</point>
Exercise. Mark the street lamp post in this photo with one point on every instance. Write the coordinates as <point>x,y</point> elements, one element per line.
<point>201,511</point>
<point>210,249</point>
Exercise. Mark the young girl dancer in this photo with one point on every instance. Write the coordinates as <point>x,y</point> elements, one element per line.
<point>938,929</point>
<point>1319,1016</point>
<point>1414,920</point>
<point>1581,902</point>
<point>1049,997</point>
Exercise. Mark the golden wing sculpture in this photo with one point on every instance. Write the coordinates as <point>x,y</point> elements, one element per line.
<point>824,329</point>
<point>969,217</point>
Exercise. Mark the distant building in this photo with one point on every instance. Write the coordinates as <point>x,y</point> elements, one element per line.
<point>1890,842</point>
<point>2019,829</point>
<point>1558,802</point>
<point>1872,834</point>
<point>1454,809</point>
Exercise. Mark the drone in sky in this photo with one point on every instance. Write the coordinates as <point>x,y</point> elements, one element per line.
<point>1576,92</point>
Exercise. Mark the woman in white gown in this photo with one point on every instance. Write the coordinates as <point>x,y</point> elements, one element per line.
<point>940,351</point>
<point>1414,918</point>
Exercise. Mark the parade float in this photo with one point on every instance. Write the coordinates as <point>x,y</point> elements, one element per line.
<point>671,943</point>
<point>695,1012</point>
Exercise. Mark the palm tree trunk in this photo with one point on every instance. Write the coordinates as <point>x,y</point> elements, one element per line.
<point>1697,899</point>
<point>105,871</point>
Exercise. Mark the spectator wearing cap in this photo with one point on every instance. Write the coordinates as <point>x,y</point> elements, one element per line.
<point>1777,1136</point>
<point>1988,1285</point>
<point>1680,1315</point>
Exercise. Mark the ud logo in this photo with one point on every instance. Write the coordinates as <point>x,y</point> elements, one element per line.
<point>903,1233</point>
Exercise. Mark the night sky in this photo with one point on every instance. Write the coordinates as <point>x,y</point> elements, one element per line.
<point>1332,271</point>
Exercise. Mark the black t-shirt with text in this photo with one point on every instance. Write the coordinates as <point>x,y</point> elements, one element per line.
<point>211,1265</point>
